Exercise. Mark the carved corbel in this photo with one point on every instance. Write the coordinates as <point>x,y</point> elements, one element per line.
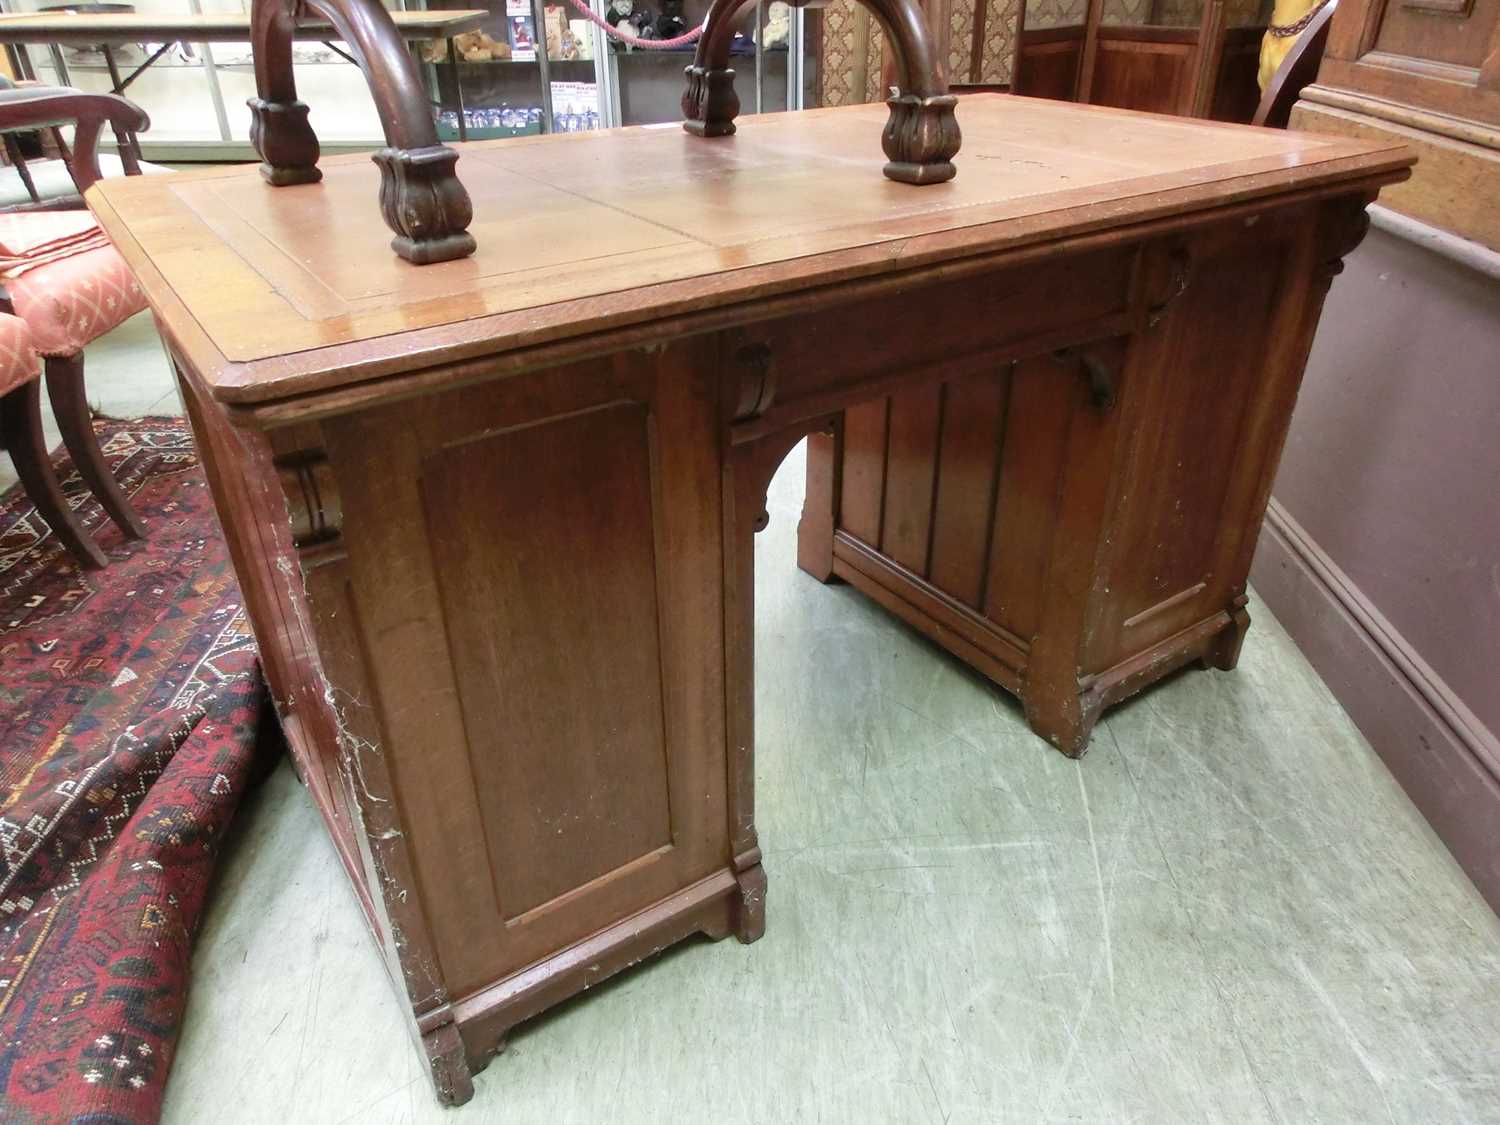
<point>1345,224</point>
<point>1100,369</point>
<point>1179,276</point>
<point>921,134</point>
<point>421,198</point>
<point>312,498</point>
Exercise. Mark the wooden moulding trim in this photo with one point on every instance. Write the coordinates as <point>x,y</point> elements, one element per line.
<point>486,1015</point>
<point>295,732</point>
<point>1001,655</point>
<point>1064,33</point>
<point>1149,665</point>
<point>1458,721</point>
<point>473,365</point>
<point>840,396</point>
<point>1148,33</point>
<point>1422,120</point>
<point>1460,251</point>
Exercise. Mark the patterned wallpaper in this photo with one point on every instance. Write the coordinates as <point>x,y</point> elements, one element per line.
<point>853,44</point>
<point>997,52</point>
<point>1055,13</point>
<point>845,30</point>
<point>1126,12</point>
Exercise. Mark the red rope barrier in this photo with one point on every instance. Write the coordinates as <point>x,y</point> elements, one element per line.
<point>635,40</point>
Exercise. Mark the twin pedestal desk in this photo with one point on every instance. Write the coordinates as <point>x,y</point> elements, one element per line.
<point>493,517</point>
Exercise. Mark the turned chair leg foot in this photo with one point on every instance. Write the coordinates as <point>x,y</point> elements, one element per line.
<point>21,433</point>
<point>71,409</point>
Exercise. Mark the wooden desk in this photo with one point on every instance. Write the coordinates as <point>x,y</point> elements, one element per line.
<point>494,517</point>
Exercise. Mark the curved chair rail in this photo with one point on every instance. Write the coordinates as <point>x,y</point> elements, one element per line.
<point>420,195</point>
<point>921,135</point>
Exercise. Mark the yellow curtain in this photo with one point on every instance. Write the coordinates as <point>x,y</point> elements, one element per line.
<point>1274,48</point>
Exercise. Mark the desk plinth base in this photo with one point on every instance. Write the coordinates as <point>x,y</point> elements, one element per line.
<point>1063,714</point>
<point>722,905</point>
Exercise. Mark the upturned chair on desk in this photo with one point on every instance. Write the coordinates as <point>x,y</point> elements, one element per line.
<point>64,286</point>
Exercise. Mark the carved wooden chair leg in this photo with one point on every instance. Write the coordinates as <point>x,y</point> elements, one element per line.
<point>21,434</point>
<point>71,409</point>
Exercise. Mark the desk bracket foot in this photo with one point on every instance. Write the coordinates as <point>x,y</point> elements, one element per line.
<point>750,907</point>
<point>1069,726</point>
<point>446,1057</point>
<point>1224,652</point>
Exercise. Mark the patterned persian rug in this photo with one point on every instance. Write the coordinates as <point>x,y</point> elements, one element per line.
<point>130,708</point>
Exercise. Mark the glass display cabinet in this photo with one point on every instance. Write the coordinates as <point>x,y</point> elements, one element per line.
<point>532,66</point>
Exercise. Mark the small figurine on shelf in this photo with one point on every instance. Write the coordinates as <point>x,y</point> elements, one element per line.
<point>476,46</point>
<point>625,19</point>
<point>778,25</point>
<point>669,22</point>
<point>560,42</point>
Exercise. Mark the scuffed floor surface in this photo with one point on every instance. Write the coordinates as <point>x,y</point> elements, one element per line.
<point>1227,912</point>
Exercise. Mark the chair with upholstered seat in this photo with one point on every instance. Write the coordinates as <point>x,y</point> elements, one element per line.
<point>67,300</point>
<point>21,434</point>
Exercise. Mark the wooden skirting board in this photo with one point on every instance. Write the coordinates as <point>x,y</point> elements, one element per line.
<point>1444,757</point>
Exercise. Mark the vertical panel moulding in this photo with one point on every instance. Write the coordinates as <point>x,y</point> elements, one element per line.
<point>862,488</point>
<point>910,475</point>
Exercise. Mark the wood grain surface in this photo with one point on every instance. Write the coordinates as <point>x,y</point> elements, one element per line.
<point>583,232</point>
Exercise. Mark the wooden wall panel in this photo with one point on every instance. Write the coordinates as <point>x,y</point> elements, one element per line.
<point>1179,504</point>
<point>910,472</point>
<point>1451,32</point>
<point>977,522</point>
<point>578,728</point>
<point>968,474</point>
<point>1151,76</point>
<point>1042,396</point>
<point>1047,63</point>
<point>864,469</point>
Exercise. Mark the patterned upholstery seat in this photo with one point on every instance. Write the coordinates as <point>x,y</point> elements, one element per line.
<point>21,434</point>
<point>66,286</point>
<point>18,358</point>
<point>73,301</point>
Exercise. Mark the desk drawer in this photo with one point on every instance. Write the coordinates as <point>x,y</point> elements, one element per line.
<point>960,324</point>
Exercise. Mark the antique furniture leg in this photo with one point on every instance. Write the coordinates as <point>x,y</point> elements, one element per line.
<point>21,434</point>
<point>420,195</point>
<point>921,134</point>
<point>71,409</point>
<point>815,529</point>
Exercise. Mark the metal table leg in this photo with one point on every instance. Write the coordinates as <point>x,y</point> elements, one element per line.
<point>458,89</point>
<point>118,85</point>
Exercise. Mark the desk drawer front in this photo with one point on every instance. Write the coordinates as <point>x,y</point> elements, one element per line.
<point>819,359</point>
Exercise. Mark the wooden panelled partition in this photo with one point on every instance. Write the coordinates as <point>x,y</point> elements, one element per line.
<point>1077,523</point>
<point>494,518</point>
<point>1193,63</point>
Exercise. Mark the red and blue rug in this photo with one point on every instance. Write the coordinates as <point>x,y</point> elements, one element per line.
<point>131,704</point>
